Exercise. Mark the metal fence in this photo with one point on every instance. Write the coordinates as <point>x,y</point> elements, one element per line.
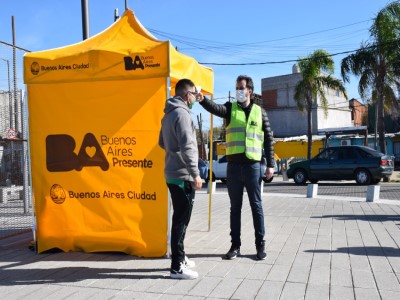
<point>16,213</point>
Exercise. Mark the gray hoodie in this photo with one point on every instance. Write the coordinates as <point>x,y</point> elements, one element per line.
<point>178,139</point>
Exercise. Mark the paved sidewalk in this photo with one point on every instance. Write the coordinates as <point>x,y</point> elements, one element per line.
<point>321,248</point>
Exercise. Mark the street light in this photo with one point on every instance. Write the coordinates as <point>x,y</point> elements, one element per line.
<point>9,89</point>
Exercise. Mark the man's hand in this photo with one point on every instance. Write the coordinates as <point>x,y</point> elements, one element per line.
<point>269,172</point>
<point>198,183</point>
<point>199,97</point>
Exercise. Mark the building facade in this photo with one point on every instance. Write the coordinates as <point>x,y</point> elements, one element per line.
<point>359,113</point>
<point>286,119</point>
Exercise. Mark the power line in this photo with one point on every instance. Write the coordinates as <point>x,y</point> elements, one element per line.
<point>229,45</point>
<point>295,60</point>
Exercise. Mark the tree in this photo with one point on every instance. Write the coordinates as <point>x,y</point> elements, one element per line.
<point>314,84</point>
<point>377,63</point>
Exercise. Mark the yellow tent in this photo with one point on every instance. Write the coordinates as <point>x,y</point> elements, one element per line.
<point>95,112</point>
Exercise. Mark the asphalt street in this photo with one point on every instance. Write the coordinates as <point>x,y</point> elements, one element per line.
<point>388,190</point>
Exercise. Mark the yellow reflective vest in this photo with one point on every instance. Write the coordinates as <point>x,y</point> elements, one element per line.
<point>245,137</point>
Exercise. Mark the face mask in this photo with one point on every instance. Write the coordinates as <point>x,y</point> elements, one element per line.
<point>191,103</point>
<point>240,96</point>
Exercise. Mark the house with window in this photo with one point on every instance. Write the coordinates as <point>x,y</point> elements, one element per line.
<point>277,95</point>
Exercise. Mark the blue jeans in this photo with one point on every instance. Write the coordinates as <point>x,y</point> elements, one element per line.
<point>239,176</point>
<point>182,202</point>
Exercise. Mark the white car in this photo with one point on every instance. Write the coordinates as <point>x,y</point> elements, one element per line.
<point>220,166</point>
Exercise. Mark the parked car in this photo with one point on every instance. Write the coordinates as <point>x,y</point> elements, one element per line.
<point>220,166</point>
<point>203,168</point>
<point>359,163</point>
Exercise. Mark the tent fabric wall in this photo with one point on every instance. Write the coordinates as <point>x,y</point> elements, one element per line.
<point>95,112</point>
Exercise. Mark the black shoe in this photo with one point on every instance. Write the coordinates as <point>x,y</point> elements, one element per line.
<point>261,255</point>
<point>233,252</point>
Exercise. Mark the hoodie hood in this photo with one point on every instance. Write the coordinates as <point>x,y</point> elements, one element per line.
<point>174,103</point>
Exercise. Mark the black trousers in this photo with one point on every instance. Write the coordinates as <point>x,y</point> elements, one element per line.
<point>182,202</point>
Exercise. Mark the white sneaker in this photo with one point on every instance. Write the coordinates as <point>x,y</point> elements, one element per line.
<point>189,263</point>
<point>184,273</point>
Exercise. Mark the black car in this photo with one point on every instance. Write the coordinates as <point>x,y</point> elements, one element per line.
<point>359,163</point>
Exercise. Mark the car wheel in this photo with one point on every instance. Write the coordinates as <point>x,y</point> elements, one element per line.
<point>300,176</point>
<point>267,180</point>
<point>362,176</point>
<point>314,180</point>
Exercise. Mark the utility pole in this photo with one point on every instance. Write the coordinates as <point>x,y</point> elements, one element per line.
<point>85,19</point>
<point>15,125</point>
<point>116,16</point>
<point>376,125</point>
<point>203,152</point>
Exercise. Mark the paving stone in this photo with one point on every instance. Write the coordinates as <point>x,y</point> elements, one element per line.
<point>278,273</point>
<point>380,264</point>
<point>317,292</point>
<point>387,281</point>
<point>205,286</point>
<point>341,277</point>
<point>226,288</point>
<point>363,279</point>
<point>299,274</point>
<point>303,260</point>
<point>340,261</point>
<point>319,275</point>
<point>366,294</point>
<point>390,295</point>
<point>259,271</point>
<point>341,293</point>
<point>239,270</point>
<point>248,289</point>
<point>293,290</point>
<point>359,262</point>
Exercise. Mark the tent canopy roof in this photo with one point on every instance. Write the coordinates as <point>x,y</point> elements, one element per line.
<point>124,51</point>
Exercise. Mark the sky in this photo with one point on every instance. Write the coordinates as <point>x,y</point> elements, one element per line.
<point>270,35</point>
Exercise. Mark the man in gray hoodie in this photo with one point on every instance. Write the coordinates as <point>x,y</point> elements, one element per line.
<point>178,139</point>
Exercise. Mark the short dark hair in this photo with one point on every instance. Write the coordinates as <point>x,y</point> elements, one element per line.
<point>183,86</point>
<point>249,81</point>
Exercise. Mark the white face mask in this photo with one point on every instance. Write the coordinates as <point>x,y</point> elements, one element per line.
<point>240,96</point>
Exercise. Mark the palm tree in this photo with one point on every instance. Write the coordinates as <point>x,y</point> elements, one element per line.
<point>314,84</point>
<point>377,63</point>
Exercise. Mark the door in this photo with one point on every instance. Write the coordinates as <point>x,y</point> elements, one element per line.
<point>324,165</point>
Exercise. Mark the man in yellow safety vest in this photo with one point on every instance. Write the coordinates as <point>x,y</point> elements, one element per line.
<point>248,135</point>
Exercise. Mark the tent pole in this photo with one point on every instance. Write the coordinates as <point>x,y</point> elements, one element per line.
<point>126,4</point>
<point>169,211</point>
<point>210,181</point>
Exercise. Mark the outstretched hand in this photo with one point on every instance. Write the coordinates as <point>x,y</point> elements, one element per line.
<point>199,96</point>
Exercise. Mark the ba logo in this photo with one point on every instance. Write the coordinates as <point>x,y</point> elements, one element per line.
<point>35,68</point>
<point>57,194</point>
<point>60,155</point>
<point>131,64</point>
